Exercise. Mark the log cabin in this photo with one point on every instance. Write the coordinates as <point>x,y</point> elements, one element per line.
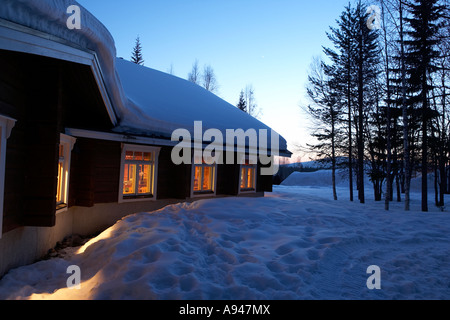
<point>85,137</point>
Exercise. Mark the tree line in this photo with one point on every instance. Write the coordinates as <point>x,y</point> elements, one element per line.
<point>380,95</point>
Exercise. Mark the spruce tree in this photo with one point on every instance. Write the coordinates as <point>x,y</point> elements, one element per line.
<point>420,58</point>
<point>367,66</point>
<point>343,70</point>
<point>136,55</point>
<point>241,104</point>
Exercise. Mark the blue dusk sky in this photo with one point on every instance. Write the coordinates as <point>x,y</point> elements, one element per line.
<point>266,43</point>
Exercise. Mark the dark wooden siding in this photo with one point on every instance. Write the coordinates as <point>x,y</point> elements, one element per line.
<point>107,172</point>
<point>228,176</point>
<point>45,96</point>
<point>30,93</point>
<point>173,180</point>
<point>263,182</point>
<point>12,104</point>
<point>43,128</point>
<point>95,172</point>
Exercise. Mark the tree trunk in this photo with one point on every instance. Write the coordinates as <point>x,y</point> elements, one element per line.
<point>389,194</point>
<point>442,160</point>
<point>360,135</point>
<point>350,141</point>
<point>406,157</point>
<point>333,155</point>
<point>424,144</point>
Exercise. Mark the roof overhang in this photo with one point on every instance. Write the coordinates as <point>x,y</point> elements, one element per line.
<point>18,38</point>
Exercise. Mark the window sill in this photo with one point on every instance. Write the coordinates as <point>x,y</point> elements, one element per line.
<point>203,194</point>
<point>137,198</point>
<point>247,190</point>
<point>61,208</point>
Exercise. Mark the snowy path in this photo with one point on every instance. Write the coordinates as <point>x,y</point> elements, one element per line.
<point>295,243</point>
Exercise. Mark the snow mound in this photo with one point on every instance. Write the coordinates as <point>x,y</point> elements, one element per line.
<point>321,178</point>
<point>293,244</point>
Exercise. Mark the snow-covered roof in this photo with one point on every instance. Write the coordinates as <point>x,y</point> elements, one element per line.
<point>145,101</point>
<point>161,103</point>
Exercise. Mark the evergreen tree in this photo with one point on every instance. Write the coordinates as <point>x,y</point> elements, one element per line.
<point>241,104</point>
<point>355,66</point>
<point>367,67</point>
<point>343,71</point>
<point>136,55</point>
<point>420,58</point>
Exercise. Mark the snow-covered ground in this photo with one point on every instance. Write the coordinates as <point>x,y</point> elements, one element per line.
<point>295,243</point>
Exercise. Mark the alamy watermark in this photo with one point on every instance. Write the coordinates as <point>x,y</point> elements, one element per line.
<point>374,281</point>
<point>74,21</point>
<point>74,280</point>
<point>237,142</point>
<point>374,21</point>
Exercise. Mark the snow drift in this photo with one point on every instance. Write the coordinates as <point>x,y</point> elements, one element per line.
<point>292,244</point>
<point>320,178</point>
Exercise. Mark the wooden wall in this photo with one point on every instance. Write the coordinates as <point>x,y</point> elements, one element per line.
<point>30,93</point>
<point>45,96</point>
<point>94,172</point>
<point>13,103</point>
<point>228,177</point>
<point>174,181</point>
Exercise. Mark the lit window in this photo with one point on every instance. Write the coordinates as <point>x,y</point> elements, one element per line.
<point>66,144</point>
<point>248,177</point>
<point>6,125</point>
<point>203,177</point>
<point>138,172</point>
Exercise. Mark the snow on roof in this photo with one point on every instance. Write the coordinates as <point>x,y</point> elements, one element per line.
<point>161,103</point>
<point>146,102</point>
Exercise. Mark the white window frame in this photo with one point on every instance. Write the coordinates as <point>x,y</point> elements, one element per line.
<point>252,166</point>
<point>6,125</point>
<point>155,155</point>
<point>68,143</point>
<point>196,194</point>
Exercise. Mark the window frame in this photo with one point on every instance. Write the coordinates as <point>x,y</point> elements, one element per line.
<point>6,126</point>
<point>68,143</point>
<point>195,194</point>
<point>246,166</point>
<point>154,172</point>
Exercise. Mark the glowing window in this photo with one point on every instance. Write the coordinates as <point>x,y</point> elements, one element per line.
<point>66,144</point>
<point>204,178</point>
<point>248,177</point>
<point>138,172</point>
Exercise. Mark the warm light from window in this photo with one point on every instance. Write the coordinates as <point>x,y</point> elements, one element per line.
<point>248,176</point>
<point>129,180</point>
<point>207,178</point>
<point>60,183</point>
<point>203,177</point>
<point>137,177</point>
